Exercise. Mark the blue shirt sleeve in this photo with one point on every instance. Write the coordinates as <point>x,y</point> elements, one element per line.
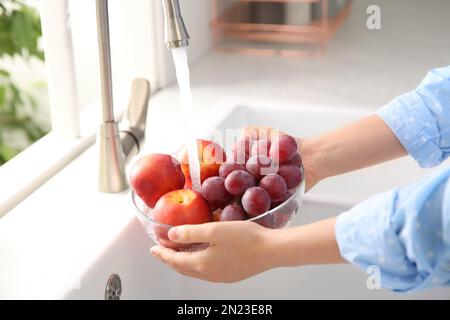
<point>404,233</point>
<point>421,118</point>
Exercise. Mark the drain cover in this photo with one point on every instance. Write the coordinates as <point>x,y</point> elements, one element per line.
<point>113,288</point>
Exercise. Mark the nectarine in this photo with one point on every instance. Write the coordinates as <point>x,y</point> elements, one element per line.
<point>154,175</point>
<point>181,207</point>
<point>211,156</point>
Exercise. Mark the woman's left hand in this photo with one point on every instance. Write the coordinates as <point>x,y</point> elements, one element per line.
<point>238,250</point>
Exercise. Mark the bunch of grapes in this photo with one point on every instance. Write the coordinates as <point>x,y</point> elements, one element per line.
<point>259,175</point>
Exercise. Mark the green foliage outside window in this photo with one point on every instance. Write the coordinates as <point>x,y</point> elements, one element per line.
<point>20,31</point>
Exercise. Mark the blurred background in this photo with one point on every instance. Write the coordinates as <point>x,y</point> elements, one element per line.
<point>346,53</point>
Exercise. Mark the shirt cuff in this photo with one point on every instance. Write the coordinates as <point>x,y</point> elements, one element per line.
<point>415,128</point>
<point>367,239</point>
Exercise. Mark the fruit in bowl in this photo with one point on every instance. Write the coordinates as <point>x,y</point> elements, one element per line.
<point>177,208</point>
<point>260,190</point>
<point>214,191</point>
<point>180,207</point>
<point>210,155</point>
<point>154,175</point>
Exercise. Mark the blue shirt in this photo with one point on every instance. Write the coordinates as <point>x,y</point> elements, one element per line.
<point>405,232</point>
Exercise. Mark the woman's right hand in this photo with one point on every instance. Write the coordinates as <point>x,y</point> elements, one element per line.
<point>361,144</point>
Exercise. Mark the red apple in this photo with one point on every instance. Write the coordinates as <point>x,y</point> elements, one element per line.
<point>211,156</point>
<point>154,175</point>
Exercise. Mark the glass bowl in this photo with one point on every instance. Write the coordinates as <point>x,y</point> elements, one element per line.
<point>276,218</point>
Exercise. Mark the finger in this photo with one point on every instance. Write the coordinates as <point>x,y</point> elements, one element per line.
<point>186,261</point>
<point>193,273</point>
<point>256,133</point>
<point>250,132</point>
<point>198,233</point>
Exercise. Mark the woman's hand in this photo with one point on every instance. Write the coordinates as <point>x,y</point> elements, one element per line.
<point>361,144</point>
<point>238,250</point>
<point>241,249</point>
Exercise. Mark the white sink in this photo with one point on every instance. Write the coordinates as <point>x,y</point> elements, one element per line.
<point>145,278</point>
<point>301,121</point>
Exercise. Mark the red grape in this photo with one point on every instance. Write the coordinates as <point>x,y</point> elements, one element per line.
<point>243,145</point>
<point>274,185</point>
<point>283,149</point>
<point>283,199</point>
<point>256,201</point>
<point>227,167</point>
<point>285,211</point>
<point>267,221</point>
<point>259,166</point>
<point>281,220</point>
<point>238,181</point>
<point>292,175</point>
<point>296,160</point>
<point>261,147</point>
<point>213,190</point>
<point>232,212</point>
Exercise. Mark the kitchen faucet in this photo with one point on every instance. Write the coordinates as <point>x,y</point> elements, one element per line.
<point>119,142</point>
<point>175,33</point>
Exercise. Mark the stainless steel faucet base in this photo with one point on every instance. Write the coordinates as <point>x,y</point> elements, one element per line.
<point>112,176</point>
<point>120,142</point>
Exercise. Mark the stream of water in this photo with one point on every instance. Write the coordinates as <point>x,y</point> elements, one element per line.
<point>182,70</point>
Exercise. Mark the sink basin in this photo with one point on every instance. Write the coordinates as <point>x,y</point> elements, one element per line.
<point>306,122</point>
<point>146,278</point>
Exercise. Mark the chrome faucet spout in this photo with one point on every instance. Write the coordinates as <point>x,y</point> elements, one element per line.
<point>175,33</point>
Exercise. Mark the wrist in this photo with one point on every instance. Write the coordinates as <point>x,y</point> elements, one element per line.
<point>309,151</point>
<point>308,244</point>
<point>270,248</point>
<point>278,248</point>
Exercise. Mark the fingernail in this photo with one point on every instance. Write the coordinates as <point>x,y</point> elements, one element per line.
<point>153,252</point>
<point>173,234</point>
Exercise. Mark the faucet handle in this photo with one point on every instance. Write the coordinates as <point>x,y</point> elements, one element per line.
<point>132,126</point>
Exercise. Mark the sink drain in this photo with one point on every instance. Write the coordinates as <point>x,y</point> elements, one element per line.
<point>113,288</point>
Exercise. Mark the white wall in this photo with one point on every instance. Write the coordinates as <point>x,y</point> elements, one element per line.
<point>197,18</point>
<point>137,50</point>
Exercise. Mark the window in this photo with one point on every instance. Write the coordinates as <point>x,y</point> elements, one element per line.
<point>70,113</point>
<point>24,113</point>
